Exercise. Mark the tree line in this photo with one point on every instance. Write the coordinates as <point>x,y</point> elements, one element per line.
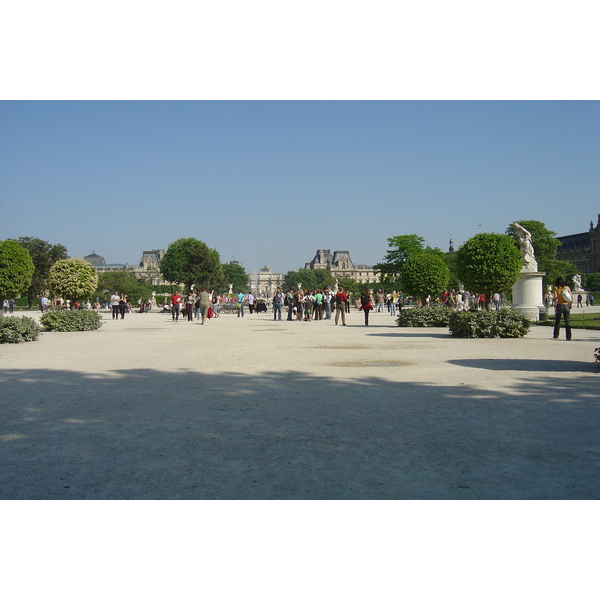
<point>485,264</point>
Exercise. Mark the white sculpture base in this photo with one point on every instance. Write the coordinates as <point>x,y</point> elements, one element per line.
<point>528,295</point>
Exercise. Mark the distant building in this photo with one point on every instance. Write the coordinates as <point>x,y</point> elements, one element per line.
<point>147,269</point>
<point>582,249</point>
<point>339,264</point>
<point>264,284</point>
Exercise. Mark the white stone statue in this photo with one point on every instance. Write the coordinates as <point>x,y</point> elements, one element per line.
<point>577,283</point>
<point>529,262</point>
<point>230,289</point>
<point>335,287</point>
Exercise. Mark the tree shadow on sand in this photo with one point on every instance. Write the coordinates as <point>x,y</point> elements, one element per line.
<point>149,434</point>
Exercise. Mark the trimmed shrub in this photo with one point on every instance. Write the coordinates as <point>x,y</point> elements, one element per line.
<point>503,323</point>
<point>71,320</point>
<point>427,316</point>
<point>14,330</point>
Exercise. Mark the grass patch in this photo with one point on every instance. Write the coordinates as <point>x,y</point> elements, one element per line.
<point>578,321</point>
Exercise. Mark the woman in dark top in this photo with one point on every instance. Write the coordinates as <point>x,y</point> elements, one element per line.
<point>366,303</point>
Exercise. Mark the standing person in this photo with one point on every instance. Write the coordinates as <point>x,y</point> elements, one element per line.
<point>328,297</point>
<point>251,299</point>
<point>204,304</point>
<point>380,301</point>
<point>122,306</point>
<point>366,303</point>
<point>579,303</point>
<point>114,305</point>
<point>318,304</point>
<point>215,304</point>
<point>563,300</point>
<point>299,304</point>
<point>290,304</point>
<point>5,306</point>
<point>240,299</point>
<point>175,306</point>
<point>340,305</point>
<point>189,305</point>
<point>393,304</point>
<point>11,305</point>
<point>277,300</point>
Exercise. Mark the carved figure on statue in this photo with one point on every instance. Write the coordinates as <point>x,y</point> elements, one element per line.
<point>527,252</point>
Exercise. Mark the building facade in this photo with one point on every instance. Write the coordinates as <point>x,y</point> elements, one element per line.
<point>582,249</point>
<point>340,264</point>
<point>148,268</point>
<point>264,284</point>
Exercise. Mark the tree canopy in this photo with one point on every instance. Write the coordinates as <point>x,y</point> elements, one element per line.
<point>311,279</point>
<point>125,283</point>
<point>489,263</point>
<point>190,261</point>
<point>236,275</point>
<point>72,279</point>
<point>425,273</point>
<point>16,269</point>
<point>401,249</point>
<point>44,255</point>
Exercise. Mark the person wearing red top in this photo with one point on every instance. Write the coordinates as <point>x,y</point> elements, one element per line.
<point>175,305</point>
<point>340,306</point>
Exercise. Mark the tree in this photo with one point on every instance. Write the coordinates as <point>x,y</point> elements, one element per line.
<point>72,279</point>
<point>16,269</point>
<point>236,275</point>
<point>125,283</point>
<point>488,263</point>
<point>44,255</point>
<point>190,261</point>
<point>402,247</point>
<point>311,279</point>
<point>591,282</point>
<point>425,273</point>
<point>544,247</point>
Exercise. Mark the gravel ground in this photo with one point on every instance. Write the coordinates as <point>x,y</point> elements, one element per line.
<point>252,408</point>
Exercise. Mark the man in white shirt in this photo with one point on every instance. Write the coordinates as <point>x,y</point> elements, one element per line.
<point>114,303</point>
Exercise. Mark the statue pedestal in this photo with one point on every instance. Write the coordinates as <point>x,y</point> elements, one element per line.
<point>528,295</point>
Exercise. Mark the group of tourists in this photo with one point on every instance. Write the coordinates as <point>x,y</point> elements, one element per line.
<point>8,305</point>
<point>194,304</point>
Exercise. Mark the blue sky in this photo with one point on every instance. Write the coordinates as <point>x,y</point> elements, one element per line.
<point>270,182</point>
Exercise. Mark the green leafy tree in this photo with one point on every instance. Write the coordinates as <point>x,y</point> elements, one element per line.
<point>44,255</point>
<point>16,269</point>
<point>450,260</point>
<point>72,279</point>
<point>425,273</point>
<point>189,261</point>
<point>591,282</point>
<point>125,283</point>
<point>310,279</point>
<point>236,275</point>
<point>401,248</point>
<point>488,263</point>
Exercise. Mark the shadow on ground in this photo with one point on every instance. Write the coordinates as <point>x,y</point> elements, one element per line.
<point>141,434</point>
<point>533,365</point>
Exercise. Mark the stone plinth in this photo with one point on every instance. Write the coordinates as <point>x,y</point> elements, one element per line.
<point>528,295</point>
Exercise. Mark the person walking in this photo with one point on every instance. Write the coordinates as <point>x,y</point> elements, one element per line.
<point>175,306</point>
<point>366,303</point>
<point>290,304</point>
<point>277,300</point>
<point>114,305</point>
<point>563,300</point>
<point>190,301</point>
<point>240,299</point>
<point>327,300</point>
<point>204,304</point>
<point>340,306</point>
<point>123,306</point>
